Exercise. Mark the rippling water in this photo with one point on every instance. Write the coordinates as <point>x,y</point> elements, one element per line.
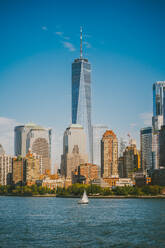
<point>60,222</point>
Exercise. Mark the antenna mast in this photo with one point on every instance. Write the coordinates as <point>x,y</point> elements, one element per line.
<point>81,43</point>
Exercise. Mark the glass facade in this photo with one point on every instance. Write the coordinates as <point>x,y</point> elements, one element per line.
<point>158,98</point>
<point>158,105</point>
<point>146,148</point>
<point>81,98</point>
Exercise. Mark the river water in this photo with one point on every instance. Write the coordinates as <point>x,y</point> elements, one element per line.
<point>60,222</point>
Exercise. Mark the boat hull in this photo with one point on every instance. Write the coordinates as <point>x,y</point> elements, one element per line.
<point>80,202</point>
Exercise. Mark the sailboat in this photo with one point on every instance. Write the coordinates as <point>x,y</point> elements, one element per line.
<point>84,199</point>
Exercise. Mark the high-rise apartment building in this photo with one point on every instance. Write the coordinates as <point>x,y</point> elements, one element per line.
<point>97,134</point>
<point>38,139</point>
<point>81,97</point>
<point>26,170</point>
<point>109,155</point>
<point>74,150</point>
<point>146,148</point>
<point>5,169</point>
<point>32,168</point>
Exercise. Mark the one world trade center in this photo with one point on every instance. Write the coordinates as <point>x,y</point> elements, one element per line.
<point>81,96</point>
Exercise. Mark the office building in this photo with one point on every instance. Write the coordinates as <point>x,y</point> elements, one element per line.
<point>157,119</point>
<point>162,147</point>
<point>146,148</point>
<point>158,104</point>
<point>155,149</point>
<point>5,169</point>
<point>97,134</point>
<point>158,177</point>
<point>131,161</point>
<point>121,166</point>
<point>18,171</point>
<point>109,155</point>
<point>81,97</point>
<point>74,150</point>
<point>38,139</point>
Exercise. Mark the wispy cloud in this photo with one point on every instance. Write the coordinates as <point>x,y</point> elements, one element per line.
<point>147,118</point>
<point>64,40</point>
<point>44,28</point>
<point>59,33</point>
<point>69,45</point>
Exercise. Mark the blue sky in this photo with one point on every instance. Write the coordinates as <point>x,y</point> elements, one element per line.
<point>124,41</point>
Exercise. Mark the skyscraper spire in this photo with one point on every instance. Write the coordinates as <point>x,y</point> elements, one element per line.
<point>81,55</point>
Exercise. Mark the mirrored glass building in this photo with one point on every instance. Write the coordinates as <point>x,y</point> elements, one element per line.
<point>81,97</point>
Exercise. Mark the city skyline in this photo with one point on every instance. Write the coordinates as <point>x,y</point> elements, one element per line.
<point>35,66</point>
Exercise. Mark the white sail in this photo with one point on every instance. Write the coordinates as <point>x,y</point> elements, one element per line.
<point>84,199</point>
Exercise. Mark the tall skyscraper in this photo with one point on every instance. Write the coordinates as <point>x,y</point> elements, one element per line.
<point>81,96</point>
<point>146,148</point>
<point>97,134</point>
<point>158,104</point>
<point>35,138</point>
<point>109,155</point>
<point>157,119</point>
<point>74,150</point>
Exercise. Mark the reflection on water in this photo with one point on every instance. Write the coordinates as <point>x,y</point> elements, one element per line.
<point>59,222</point>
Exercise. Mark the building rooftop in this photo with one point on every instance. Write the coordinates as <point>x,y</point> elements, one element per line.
<point>75,126</point>
<point>33,126</point>
<point>109,133</point>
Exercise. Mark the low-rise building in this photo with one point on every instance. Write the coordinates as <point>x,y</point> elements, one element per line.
<point>53,183</point>
<point>122,182</point>
<point>141,178</point>
<point>100,182</point>
<point>111,181</point>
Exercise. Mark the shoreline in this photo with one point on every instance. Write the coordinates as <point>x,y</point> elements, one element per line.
<point>95,196</point>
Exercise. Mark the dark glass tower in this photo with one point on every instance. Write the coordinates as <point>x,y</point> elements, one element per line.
<point>81,96</point>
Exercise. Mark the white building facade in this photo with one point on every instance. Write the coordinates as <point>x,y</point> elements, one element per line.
<point>74,149</point>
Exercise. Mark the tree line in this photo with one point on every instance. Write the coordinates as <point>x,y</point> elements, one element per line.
<point>78,189</point>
